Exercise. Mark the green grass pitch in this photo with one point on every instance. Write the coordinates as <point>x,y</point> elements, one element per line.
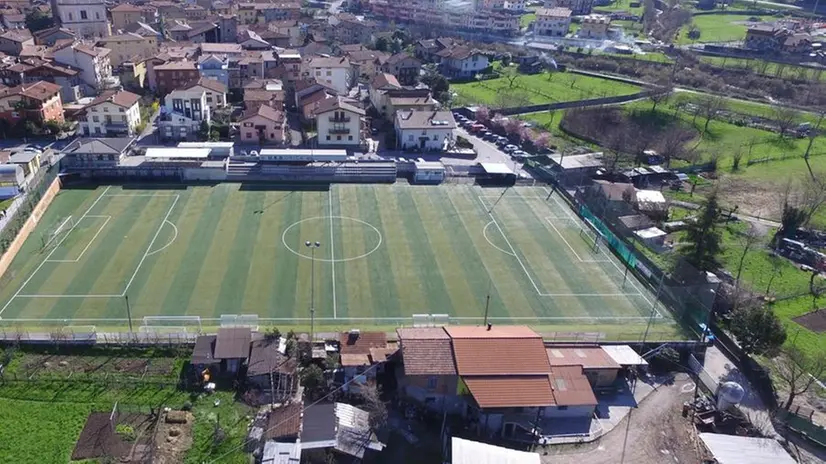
<point>387,252</point>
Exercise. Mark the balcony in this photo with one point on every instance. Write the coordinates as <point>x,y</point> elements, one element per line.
<point>339,130</point>
<point>342,118</point>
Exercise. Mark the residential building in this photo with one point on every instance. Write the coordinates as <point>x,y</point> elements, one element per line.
<point>250,40</point>
<point>425,130</point>
<point>275,38</point>
<point>214,67</point>
<point>228,26</point>
<point>359,352</point>
<point>32,70</point>
<point>513,389</point>
<point>195,32</point>
<point>408,100</point>
<point>777,38</point>
<point>13,19</point>
<point>28,160</point>
<point>577,7</point>
<point>96,152</point>
<point>594,363</point>
<point>464,17</point>
<point>378,89</point>
<point>93,63</point>
<point>262,13</point>
<point>132,75</point>
<point>112,114</point>
<point>51,35</point>
<point>462,62</point>
<point>129,47</point>
<point>39,102</point>
<point>263,126</point>
<point>334,72</point>
<point>125,14</point>
<point>366,63</point>
<point>143,29</point>
<point>87,18</point>
<point>185,109</point>
<point>552,22</point>
<point>216,92</point>
<point>271,371</point>
<point>308,96</point>
<point>405,67</point>
<point>289,27</point>
<point>290,60</point>
<point>348,28</point>
<point>13,41</point>
<point>268,92</point>
<point>339,122</point>
<point>428,49</point>
<point>175,74</point>
<point>464,451</point>
<point>195,12</point>
<point>594,27</point>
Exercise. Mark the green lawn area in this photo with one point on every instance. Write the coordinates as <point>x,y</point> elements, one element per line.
<point>38,431</point>
<point>767,67</point>
<point>398,251</point>
<point>537,89</point>
<point>621,5</point>
<point>527,19</point>
<point>716,28</point>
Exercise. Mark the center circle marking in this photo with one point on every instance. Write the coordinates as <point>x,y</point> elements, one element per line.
<point>328,260</point>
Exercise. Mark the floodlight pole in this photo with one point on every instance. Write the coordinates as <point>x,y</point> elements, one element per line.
<point>312,246</point>
<point>487,303</point>
<point>128,314</point>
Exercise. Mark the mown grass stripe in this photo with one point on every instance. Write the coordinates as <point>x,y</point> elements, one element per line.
<point>241,249</point>
<point>289,276</point>
<point>182,298</point>
<point>424,258</point>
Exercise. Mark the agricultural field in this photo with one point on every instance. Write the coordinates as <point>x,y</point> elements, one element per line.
<point>39,431</point>
<point>768,68</point>
<point>537,89</point>
<point>716,28</point>
<point>386,253</point>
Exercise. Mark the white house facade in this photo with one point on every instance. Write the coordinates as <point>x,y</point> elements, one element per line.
<point>86,18</point>
<point>183,113</point>
<point>424,130</point>
<point>339,122</point>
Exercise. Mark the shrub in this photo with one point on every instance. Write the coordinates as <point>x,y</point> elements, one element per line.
<point>125,431</point>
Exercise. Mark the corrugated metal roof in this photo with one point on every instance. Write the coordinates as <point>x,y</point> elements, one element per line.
<point>624,355</point>
<point>731,449</point>
<point>233,343</point>
<point>589,357</point>
<point>571,387</point>
<point>472,452</point>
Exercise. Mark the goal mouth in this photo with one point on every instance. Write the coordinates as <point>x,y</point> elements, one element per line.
<point>52,234</point>
<point>170,324</point>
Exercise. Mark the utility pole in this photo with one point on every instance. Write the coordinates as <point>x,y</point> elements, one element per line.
<point>487,303</point>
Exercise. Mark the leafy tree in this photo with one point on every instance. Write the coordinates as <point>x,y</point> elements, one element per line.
<point>382,44</point>
<point>53,127</point>
<point>758,330</point>
<point>703,236</point>
<point>36,20</point>
<point>312,378</point>
<point>272,333</point>
<point>506,59</point>
<point>214,136</point>
<point>798,370</point>
<point>784,118</point>
<point>483,114</point>
<point>792,219</point>
<point>510,74</point>
<point>438,84</point>
<point>203,131</point>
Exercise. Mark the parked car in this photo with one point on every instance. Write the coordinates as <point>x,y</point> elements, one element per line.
<point>516,153</point>
<point>510,148</point>
<point>476,127</point>
<point>501,141</point>
<point>466,124</point>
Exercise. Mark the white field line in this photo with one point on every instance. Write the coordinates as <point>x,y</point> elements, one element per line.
<point>174,237</point>
<point>143,195</point>
<point>68,296</point>
<point>366,319</point>
<point>332,253</point>
<point>80,256</point>
<point>57,231</point>
<point>572,248</point>
<point>518,259</point>
<point>31,276</point>
<point>151,243</point>
<point>485,234</point>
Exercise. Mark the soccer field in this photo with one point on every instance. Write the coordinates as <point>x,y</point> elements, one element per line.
<point>386,252</point>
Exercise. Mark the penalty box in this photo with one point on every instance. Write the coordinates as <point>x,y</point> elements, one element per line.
<point>103,251</point>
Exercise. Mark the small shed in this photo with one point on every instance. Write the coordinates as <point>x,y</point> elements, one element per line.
<point>624,355</point>
<point>576,169</point>
<point>428,172</point>
<point>472,452</point>
<point>652,237</point>
<point>651,203</point>
<point>232,347</point>
<point>29,160</point>
<point>732,449</point>
<point>496,174</point>
<point>11,178</point>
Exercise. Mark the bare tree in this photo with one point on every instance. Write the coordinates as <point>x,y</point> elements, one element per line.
<point>672,145</point>
<point>798,371</point>
<point>784,118</point>
<point>574,78</point>
<point>747,240</point>
<point>777,270</point>
<point>510,74</point>
<point>710,108</point>
<point>813,133</point>
<point>374,406</point>
<point>660,94</point>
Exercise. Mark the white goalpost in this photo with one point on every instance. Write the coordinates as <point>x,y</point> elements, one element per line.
<point>170,324</point>
<point>52,233</point>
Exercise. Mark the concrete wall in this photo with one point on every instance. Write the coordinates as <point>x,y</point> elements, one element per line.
<point>28,227</point>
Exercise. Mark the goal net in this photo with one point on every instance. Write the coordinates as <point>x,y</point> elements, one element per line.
<point>171,324</point>
<point>51,235</point>
<point>592,236</point>
<point>240,320</point>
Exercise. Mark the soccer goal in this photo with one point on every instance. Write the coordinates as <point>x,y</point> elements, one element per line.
<point>169,324</point>
<point>50,236</point>
<point>591,236</point>
<point>240,320</point>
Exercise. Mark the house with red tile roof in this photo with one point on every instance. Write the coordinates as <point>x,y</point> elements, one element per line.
<point>499,378</point>
<point>39,101</point>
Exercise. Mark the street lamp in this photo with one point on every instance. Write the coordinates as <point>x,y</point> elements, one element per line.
<point>312,246</point>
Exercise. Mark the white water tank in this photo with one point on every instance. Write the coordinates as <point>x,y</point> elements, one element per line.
<point>729,394</point>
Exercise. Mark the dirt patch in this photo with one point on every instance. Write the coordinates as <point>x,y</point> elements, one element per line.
<point>100,437</point>
<point>814,321</point>
<point>658,434</point>
<point>35,364</point>
<point>756,198</point>
<point>173,438</point>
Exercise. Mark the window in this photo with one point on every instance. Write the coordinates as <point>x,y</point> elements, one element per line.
<point>105,109</point>
<point>123,118</point>
<point>318,73</point>
<point>432,382</point>
<point>338,137</point>
<point>249,135</point>
<point>328,137</point>
<point>95,118</point>
<point>83,14</point>
<point>209,99</point>
<point>121,110</point>
<point>329,73</point>
<point>97,15</point>
<point>350,137</point>
<point>70,17</point>
<point>562,408</point>
<point>436,137</point>
<point>94,109</point>
<point>410,137</point>
<point>97,129</point>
